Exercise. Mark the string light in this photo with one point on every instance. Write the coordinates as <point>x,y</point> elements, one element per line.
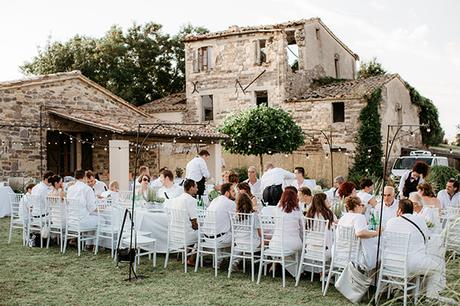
<point>451,151</point>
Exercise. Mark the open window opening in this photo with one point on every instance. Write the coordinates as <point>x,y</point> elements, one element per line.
<point>207,108</point>
<point>292,50</point>
<point>338,112</point>
<point>261,97</point>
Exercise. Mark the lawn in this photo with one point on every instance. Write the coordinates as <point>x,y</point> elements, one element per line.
<point>44,276</point>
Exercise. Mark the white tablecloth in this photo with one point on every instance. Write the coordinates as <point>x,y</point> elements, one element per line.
<point>156,223</point>
<point>5,208</point>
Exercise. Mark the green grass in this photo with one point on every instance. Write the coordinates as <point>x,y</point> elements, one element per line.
<point>44,276</point>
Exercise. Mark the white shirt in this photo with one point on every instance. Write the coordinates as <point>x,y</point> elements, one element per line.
<point>196,169</point>
<point>365,197</point>
<point>40,191</point>
<point>447,201</point>
<point>357,221</point>
<point>332,193</point>
<point>156,183</point>
<point>170,193</point>
<point>305,183</point>
<point>388,211</point>
<point>255,188</point>
<point>185,202</point>
<point>99,187</point>
<point>417,248</point>
<point>222,206</point>
<point>275,176</point>
<point>85,195</point>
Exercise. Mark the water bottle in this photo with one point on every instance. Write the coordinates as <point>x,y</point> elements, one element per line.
<point>373,223</point>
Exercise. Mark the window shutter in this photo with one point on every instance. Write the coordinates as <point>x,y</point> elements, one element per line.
<point>210,63</point>
<point>195,60</point>
<point>256,53</point>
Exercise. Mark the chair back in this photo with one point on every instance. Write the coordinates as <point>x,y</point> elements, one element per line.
<point>125,195</point>
<point>395,249</point>
<point>453,229</point>
<point>57,210</point>
<point>243,231</point>
<point>346,246</point>
<point>177,227</point>
<point>272,231</point>
<point>315,238</point>
<point>207,223</point>
<point>17,209</point>
<point>73,214</point>
<point>108,220</point>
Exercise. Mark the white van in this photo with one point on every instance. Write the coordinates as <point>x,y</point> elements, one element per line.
<point>404,163</point>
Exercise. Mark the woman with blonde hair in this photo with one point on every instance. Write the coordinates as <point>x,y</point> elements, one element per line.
<point>429,198</point>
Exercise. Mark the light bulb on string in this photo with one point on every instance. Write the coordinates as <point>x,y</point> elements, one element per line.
<point>369,150</point>
<point>92,146</point>
<point>174,140</point>
<point>327,155</point>
<point>269,152</point>
<point>428,130</point>
<point>201,140</point>
<point>60,132</point>
<point>285,155</point>
<point>307,156</point>
<point>340,149</point>
<point>451,151</point>
<point>412,134</point>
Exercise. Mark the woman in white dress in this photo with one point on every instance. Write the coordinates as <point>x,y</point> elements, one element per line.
<point>320,209</point>
<point>429,198</point>
<point>354,218</point>
<point>244,188</point>
<point>292,231</point>
<point>429,214</point>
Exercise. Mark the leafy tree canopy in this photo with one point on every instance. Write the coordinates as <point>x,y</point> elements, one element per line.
<point>139,65</point>
<point>371,68</point>
<point>261,130</point>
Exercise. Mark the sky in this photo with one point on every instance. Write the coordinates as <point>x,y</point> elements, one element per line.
<point>420,40</point>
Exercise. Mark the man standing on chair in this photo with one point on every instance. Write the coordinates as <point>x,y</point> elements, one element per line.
<point>197,170</point>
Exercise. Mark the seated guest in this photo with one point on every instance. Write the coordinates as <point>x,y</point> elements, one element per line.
<point>86,199</point>
<point>305,198</point>
<point>168,190</point>
<point>112,193</point>
<point>292,230</point>
<point>244,188</point>
<point>145,193</point>
<point>355,218</point>
<point>429,198</point>
<point>187,201</point>
<point>320,209</point>
<point>430,215</point>
<point>365,194</point>
<point>450,197</point>
<point>390,205</point>
<point>411,179</point>
<point>271,183</point>
<point>142,170</point>
<point>419,261</point>
<point>243,239</point>
<point>300,180</point>
<point>25,204</point>
<point>346,189</point>
<point>225,179</point>
<point>332,193</point>
<point>97,186</point>
<point>40,192</point>
<point>222,205</point>
<point>156,183</point>
<point>253,181</point>
<point>56,187</point>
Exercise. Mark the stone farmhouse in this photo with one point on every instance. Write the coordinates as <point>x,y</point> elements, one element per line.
<point>65,121</point>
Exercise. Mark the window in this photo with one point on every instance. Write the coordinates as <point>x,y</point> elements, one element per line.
<point>317,33</point>
<point>261,98</point>
<point>292,50</point>
<point>207,108</point>
<point>261,51</point>
<point>202,59</point>
<point>338,112</point>
<point>336,66</point>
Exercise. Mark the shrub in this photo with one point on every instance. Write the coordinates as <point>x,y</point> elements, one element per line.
<point>242,173</point>
<point>439,175</point>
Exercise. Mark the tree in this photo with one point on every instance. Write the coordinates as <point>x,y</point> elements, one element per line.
<point>368,160</point>
<point>261,130</point>
<point>139,65</point>
<point>371,68</point>
<point>457,137</point>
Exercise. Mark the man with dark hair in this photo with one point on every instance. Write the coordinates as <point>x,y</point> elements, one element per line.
<point>411,179</point>
<point>86,199</point>
<point>156,183</point>
<point>366,196</point>
<point>197,170</point>
<point>450,197</point>
<point>186,201</point>
<point>419,260</point>
<point>40,192</point>
<point>222,205</point>
<point>97,186</point>
<point>168,189</point>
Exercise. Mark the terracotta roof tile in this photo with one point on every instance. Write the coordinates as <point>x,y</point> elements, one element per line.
<point>172,103</point>
<point>354,89</point>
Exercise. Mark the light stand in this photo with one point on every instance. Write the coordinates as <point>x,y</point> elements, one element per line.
<point>388,147</point>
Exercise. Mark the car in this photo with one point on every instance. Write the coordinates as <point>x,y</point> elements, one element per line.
<point>404,163</point>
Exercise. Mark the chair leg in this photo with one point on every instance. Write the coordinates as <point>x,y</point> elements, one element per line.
<point>64,243</point>
<point>166,258</point>
<point>11,231</point>
<point>283,271</point>
<point>378,289</point>
<point>185,259</point>
<point>261,266</point>
<point>79,244</point>
<point>230,263</point>
<point>216,253</point>
<point>252,267</point>
<point>244,264</point>
<point>405,293</point>
<point>323,276</point>
<point>328,280</point>
<point>417,289</point>
<point>297,277</point>
<point>197,262</point>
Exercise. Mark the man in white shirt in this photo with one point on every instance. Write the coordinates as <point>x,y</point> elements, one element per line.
<point>300,180</point>
<point>390,205</point>
<point>271,183</point>
<point>187,201</point>
<point>156,183</point>
<point>86,199</point>
<point>419,261</point>
<point>365,194</point>
<point>222,205</point>
<point>97,186</point>
<point>450,197</point>
<point>39,193</point>
<point>332,193</point>
<point>168,190</point>
<point>197,170</point>
<point>253,181</point>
